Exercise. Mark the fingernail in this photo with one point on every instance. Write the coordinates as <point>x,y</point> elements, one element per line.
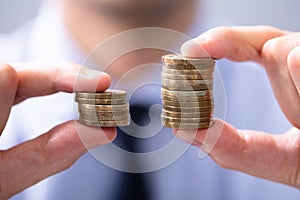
<point>193,49</point>
<point>86,73</point>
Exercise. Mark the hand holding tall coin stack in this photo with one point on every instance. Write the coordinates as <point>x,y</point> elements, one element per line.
<point>187,85</point>
<point>106,109</point>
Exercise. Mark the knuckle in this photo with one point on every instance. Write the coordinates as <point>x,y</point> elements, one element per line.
<point>8,75</point>
<point>270,52</point>
<point>293,175</point>
<point>44,150</point>
<point>297,170</point>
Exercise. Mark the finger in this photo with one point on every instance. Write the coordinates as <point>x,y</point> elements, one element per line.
<point>234,43</point>
<point>32,161</point>
<point>275,55</point>
<point>44,79</point>
<point>8,88</point>
<point>294,67</point>
<point>256,153</point>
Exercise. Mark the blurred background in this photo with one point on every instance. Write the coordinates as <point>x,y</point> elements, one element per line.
<point>279,13</point>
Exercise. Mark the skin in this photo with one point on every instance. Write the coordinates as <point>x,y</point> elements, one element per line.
<point>61,146</point>
<point>273,157</point>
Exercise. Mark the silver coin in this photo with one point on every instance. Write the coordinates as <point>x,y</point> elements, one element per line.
<point>105,123</point>
<point>186,93</point>
<point>186,77</point>
<point>108,94</point>
<point>123,107</point>
<point>100,101</point>
<point>187,72</point>
<point>198,114</point>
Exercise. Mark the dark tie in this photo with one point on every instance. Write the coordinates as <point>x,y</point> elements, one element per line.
<point>132,186</point>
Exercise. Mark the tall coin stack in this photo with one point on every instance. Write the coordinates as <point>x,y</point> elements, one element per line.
<point>106,109</point>
<point>187,85</point>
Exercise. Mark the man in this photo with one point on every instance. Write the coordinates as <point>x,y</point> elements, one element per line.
<point>186,178</point>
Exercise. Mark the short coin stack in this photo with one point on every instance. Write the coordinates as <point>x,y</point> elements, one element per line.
<point>187,85</point>
<point>106,109</point>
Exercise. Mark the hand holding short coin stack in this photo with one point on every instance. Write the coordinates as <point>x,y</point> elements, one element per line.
<point>106,109</point>
<point>187,85</point>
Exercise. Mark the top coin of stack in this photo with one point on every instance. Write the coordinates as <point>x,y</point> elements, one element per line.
<point>187,85</point>
<point>106,109</point>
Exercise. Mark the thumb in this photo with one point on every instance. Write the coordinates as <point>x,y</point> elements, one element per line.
<point>48,154</point>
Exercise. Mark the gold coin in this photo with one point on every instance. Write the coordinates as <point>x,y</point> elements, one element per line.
<point>188,109</point>
<point>187,72</point>
<point>198,114</point>
<point>186,77</point>
<point>105,123</point>
<point>186,125</point>
<point>186,99</point>
<point>96,117</point>
<point>187,82</point>
<point>180,87</point>
<point>179,59</point>
<point>187,104</point>
<point>107,94</point>
<point>186,93</point>
<point>96,101</point>
<point>187,120</point>
<point>103,113</point>
<point>204,65</point>
<point>122,107</point>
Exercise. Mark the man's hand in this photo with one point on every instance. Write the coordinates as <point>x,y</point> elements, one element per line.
<point>273,157</point>
<point>56,150</point>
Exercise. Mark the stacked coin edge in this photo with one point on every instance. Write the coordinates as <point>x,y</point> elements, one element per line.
<point>104,109</point>
<point>187,85</point>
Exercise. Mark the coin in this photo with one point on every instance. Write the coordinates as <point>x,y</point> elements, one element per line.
<point>187,72</point>
<point>108,94</point>
<point>204,65</point>
<point>186,125</point>
<point>187,120</point>
<point>187,109</point>
<point>187,103</point>
<point>187,82</point>
<point>180,87</point>
<point>186,99</point>
<point>198,114</point>
<point>103,113</point>
<point>105,123</point>
<point>96,101</point>
<point>179,59</point>
<point>121,107</point>
<point>95,117</point>
<point>186,77</point>
<point>186,93</point>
